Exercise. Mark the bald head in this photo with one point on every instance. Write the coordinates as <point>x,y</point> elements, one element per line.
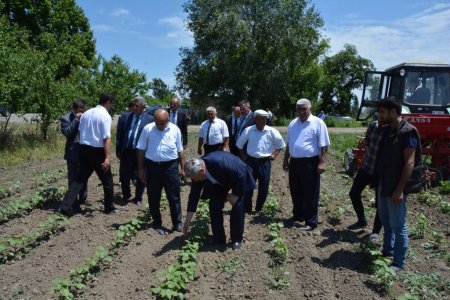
<point>174,103</point>
<point>161,119</point>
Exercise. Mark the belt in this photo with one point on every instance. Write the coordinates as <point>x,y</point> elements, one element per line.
<point>293,159</point>
<point>259,159</point>
<point>161,163</point>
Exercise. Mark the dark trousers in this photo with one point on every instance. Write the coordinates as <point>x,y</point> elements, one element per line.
<point>212,148</point>
<point>261,172</point>
<point>237,215</point>
<point>361,181</point>
<point>128,167</point>
<point>304,184</point>
<point>233,148</point>
<point>72,171</point>
<point>163,175</point>
<point>91,160</point>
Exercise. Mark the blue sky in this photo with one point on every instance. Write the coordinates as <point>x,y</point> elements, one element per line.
<point>148,34</point>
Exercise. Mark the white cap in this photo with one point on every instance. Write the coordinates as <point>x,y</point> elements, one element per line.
<point>261,113</point>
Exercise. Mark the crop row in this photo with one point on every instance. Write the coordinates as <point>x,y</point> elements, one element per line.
<point>178,275</point>
<point>16,246</point>
<point>17,208</point>
<point>279,253</point>
<point>10,190</point>
<point>434,199</point>
<point>69,287</point>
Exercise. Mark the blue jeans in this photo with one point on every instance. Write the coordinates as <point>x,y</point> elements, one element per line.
<point>393,218</point>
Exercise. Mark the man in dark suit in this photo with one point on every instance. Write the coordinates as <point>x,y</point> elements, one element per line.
<point>69,128</point>
<point>232,122</point>
<point>247,117</point>
<point>127,137</point>
<point>179,118</point>
<point>220,172</point>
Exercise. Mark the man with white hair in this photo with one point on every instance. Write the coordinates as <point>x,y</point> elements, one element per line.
<point>264,143</point>
<point>213,134</point>
<point>305,158</point>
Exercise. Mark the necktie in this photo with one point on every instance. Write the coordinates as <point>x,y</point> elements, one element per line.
<point>235,126</point>
<point>173,117</point>
<point>131,142</point>
<point>207,133</point>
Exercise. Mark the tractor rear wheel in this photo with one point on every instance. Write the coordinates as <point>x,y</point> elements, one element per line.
<point>350,163</point>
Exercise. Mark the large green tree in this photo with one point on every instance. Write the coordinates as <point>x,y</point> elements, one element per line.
<point>262,50</point>
<point>160,90</point>
<point>342,74</point>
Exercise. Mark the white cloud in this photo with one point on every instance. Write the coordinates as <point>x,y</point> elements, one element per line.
<point>420,37</point>
<point>112,29</point>
<point>120,12</point>
<point>177,35</point>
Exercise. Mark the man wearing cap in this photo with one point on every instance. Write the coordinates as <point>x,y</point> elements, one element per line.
<point>305,157</point>
<point>160,150</point>
<point>264,143</point>
<point>213,134</point>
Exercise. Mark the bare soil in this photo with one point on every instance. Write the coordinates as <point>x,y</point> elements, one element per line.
<point>323,264</point>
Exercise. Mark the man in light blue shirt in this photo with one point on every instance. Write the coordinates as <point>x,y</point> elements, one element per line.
<point>308,141</point>
<point>264,143</point>
<point>160,149</point>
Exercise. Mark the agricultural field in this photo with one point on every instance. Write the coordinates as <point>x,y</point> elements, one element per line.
<point>119,256</point>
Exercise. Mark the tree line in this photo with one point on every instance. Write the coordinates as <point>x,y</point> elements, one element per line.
<point>269,52</point>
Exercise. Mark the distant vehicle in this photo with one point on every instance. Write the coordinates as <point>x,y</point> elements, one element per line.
<point>152,108</point>
<point>339,117</point>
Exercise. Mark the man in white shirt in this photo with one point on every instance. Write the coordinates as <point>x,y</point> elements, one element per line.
<point>308,141</point>
<point>264,143</point>
<point>95,155</point>
<point>160,150</point>
<point>213,134</point>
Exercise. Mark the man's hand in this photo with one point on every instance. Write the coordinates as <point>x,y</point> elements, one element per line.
<point>321,167</point>
<point>186,228</point>
<point>199,151</point>
<point>286,165</point>
<point>232,199</point>
<point>272,157</point>
<point>142,177</point>
<point>106,164</point>
<point>182,174</point>
<point>397,196</point>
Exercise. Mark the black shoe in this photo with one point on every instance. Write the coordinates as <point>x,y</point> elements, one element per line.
<point>357,226</point>
<point>63,212</point>
<point>178,227</point>
<point>111,210</point>
<point>160,230</point>
<point>77,210</point>
<point>215,242</point>
<point>290,221</point>
<point>236,246</point>
<point>306,228</point>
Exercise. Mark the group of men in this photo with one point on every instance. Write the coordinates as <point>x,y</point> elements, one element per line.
<point>235,154</point>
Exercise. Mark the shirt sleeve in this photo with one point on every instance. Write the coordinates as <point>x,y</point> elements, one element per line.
<point>225,132</point>
<point>142,143</point>
<point>178,140</point>
<point>107,128</point>
<point>200,131</point>
<point>324,139</point>
<point>278,140</point>
<point>243,138</point>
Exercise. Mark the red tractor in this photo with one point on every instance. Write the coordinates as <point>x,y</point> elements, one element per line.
<point>424,90</point>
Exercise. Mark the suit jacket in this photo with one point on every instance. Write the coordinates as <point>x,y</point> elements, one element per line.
<point>123,127</point>
<point>69,127</point>
<point>249,121</point>
<point>229,171</point>
<point>182,123</point>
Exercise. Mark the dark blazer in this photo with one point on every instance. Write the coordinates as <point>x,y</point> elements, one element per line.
<point>124,126</point>
<point>230,172</point>
<point>69,127</point>
<point>182,123</point>
<point>249,121</point>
